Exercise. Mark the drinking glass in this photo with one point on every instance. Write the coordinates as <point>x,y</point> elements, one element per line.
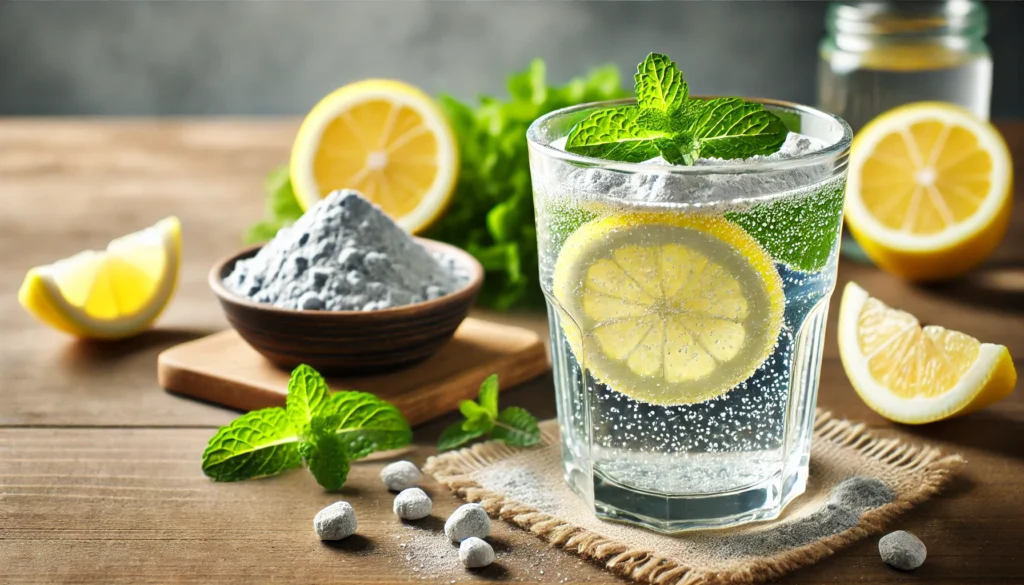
<point>687,309</point>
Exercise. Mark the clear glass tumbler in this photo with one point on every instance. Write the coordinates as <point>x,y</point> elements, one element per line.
<point>687,310</point>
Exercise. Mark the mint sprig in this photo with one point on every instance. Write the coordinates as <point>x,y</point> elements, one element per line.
<point>514,425</point>
<point>326,431</point>
<point>666,121</point>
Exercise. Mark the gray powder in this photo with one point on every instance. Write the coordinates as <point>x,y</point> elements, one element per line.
<point>847,502</point>
<point>664,187</point>
<point>344,254</point>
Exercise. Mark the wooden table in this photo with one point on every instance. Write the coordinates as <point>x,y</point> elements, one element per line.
<point>99,467</point>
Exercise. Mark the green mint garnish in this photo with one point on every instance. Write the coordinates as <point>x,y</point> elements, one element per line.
<point>324,430</point>
<point>515,426</point>
<point>800,232</point>
<point>666,121</point>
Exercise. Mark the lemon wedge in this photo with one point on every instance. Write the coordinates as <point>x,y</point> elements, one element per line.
<point>929,191</point>
<point>668,308</point>
<point>109,294</point>
<point>386,139</point>
<point>913,374</point>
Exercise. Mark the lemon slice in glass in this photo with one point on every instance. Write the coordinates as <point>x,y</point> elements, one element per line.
<point>668,308</point>
<point>112,293</point>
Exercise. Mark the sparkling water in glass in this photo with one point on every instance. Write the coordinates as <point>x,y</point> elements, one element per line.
<point>687,309</point>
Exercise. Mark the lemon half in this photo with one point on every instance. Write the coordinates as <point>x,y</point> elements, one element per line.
<point>929,191</point>
<point>384,138</point>
<point>108,294</point>
<point>913,374</point>
<point>668,308</point>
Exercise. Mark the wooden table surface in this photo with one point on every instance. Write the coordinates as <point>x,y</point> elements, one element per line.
<point>99,468</point>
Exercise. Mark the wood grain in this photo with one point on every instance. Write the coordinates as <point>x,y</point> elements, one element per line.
<point>223,369</point>
<point>99,474</point>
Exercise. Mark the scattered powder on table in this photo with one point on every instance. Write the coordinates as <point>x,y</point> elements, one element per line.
<point>846,503</point>
<point>344,254</point>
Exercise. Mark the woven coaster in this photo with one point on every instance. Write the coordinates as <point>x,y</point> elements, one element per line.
<point>858,483</point>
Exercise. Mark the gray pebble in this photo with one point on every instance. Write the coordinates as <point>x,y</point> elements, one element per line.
<point>335,522</point>
<point>902,550</point>
<point>475,553</point>
<point>413,504</point>
<point>469,520</point>
<point>311,302</point>
<point>400,475</point>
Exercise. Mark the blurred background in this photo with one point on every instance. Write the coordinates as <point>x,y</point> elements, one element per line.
<point>274,58</point>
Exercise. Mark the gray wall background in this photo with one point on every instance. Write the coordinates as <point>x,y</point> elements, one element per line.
<point>278,57</point>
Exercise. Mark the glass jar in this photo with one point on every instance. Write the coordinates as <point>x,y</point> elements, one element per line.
<point>879,55</point>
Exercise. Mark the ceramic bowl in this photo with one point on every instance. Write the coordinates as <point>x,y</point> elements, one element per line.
<point>355,342</point>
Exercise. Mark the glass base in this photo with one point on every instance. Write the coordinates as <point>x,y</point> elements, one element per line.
<point>668,514</point>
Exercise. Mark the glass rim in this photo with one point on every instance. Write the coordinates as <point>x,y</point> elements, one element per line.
<point>827,153</point>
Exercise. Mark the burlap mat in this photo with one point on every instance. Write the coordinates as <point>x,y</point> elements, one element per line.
<point>858,484</point>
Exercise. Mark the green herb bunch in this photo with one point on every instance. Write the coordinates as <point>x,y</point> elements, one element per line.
<point>665,121</point>
<point>491,215</point>
<point>324,430</point>
<point>513,425</point>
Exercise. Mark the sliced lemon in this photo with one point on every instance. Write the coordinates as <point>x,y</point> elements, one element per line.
<point>384,138</point>
<point>929,191</point>
<point>668,308</point>
<point>913,374</point>
<point>109,294</point>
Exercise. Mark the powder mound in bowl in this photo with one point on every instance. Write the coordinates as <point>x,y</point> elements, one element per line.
<point>344,254</point>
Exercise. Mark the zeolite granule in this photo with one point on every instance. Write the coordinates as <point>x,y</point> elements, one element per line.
<point>902,550</point>
<point>467,521</point>
<point>400,475</point>
<point>413,504</point>
<point>475,553</point>
<point>335,522</point>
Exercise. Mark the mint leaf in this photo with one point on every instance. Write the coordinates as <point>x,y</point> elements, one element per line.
<point>482,424</point>
<point>489,395</point>
<point>455,436</point>
<point>256,444</point>
<point>800,232</point>
<point>732,128</point>
<point>365,423</point>
<point>659,84</point>
<point>473,411</point>
<point>517,427</point>
<point>615,134</point>
<point>325,455</point>
<point>307,392</point>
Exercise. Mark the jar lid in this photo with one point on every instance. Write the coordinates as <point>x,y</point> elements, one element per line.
<point>917,18</point>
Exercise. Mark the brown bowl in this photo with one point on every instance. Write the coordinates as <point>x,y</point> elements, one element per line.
<point>354,342</point>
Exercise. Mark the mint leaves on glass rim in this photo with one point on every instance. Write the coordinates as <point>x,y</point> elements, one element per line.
<point>667,122</point>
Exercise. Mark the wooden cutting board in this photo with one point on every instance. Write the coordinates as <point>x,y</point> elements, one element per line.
<point>223,369</point>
